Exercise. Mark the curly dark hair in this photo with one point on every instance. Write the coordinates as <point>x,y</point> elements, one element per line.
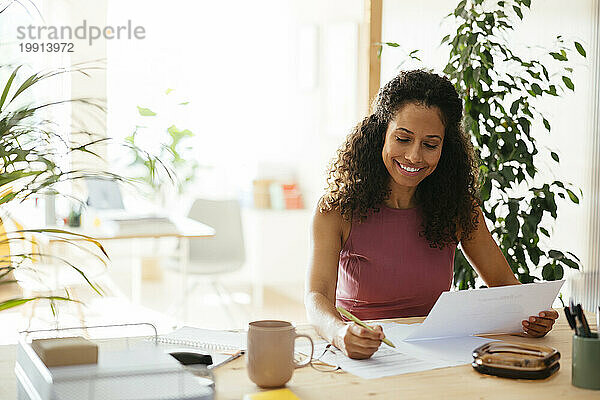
<point>358,180</point>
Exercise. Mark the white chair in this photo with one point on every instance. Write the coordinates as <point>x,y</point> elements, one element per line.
<point>223,252</point>
<point>211,257</point>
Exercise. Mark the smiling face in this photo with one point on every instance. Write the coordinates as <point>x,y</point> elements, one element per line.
<point>413,146</point>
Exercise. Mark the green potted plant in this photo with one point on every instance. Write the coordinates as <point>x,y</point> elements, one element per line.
<point>31,148</point>
<point>501,116</point>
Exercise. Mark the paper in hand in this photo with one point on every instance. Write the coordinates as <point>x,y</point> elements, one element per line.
<point>491,310</point>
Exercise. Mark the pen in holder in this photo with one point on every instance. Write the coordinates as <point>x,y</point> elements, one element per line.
<point>585,372</point>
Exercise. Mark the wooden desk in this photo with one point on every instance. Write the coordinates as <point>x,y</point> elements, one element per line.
<point>447,383</point>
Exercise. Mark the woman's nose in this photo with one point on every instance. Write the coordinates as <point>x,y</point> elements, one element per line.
<point>413,154</point>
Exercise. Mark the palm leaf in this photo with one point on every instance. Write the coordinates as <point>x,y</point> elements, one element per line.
<point>23,300</point>
<point>4,271</point>
<point>6,6</point>
<point>7,87</point>
<point>79,271</point>
<point>63,232</point>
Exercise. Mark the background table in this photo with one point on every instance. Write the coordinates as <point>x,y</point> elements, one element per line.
<point>181,228</point>
<point>460,382</point>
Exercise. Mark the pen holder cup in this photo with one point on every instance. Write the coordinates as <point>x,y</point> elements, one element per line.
<point>585,371</point>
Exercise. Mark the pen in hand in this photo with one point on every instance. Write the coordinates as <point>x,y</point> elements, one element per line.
<point>361,323</point>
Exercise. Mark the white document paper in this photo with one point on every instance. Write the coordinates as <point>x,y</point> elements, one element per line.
<point>452,351</point>
<point>491,310</point>
<point>387,362</point>
<point>407,357</point>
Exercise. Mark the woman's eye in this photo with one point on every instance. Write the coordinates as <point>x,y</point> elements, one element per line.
<point>430,146</point>
<point>403,140</point>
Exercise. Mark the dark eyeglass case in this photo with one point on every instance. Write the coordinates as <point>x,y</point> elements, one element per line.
<point>516,360</point>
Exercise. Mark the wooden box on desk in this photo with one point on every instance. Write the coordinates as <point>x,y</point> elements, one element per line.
<point>58,352</point>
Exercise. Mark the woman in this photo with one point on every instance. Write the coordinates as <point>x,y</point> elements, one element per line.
<point>402,193</point>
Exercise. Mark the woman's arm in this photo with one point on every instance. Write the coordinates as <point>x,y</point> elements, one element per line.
<point>327,239</point>
<point>485,256</point>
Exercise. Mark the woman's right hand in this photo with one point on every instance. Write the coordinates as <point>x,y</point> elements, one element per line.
<point>358,342</point>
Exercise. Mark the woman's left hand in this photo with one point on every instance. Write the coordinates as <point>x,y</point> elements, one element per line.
<point>538,326</point>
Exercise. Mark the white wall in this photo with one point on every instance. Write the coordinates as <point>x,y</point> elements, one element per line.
<point>240,65</point>
<point>273,90</point>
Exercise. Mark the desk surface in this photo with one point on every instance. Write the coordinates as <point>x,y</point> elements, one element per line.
<point>182,227</point>
<point>449,383</point>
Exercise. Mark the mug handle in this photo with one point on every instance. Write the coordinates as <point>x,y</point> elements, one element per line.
<point>312,350</point>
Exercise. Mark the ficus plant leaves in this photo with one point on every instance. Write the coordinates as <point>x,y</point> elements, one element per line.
<point>504,129</point>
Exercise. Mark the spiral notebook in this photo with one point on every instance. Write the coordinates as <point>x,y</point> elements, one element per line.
<point>206,339</point>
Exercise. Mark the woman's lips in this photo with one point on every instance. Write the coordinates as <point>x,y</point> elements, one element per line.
<point>407,170</point>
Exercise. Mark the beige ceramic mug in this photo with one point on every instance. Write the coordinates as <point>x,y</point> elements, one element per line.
<point>270,355</point>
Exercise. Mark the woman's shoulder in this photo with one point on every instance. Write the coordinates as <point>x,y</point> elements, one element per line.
<point>327,215</point>
<point>330,218</point>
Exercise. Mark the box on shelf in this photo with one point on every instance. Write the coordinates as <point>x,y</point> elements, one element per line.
<point>292,196</point>
<point>262,197</point>
<point>276,195</point>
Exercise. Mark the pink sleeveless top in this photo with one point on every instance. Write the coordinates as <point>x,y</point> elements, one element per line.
<point>387,270</point>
